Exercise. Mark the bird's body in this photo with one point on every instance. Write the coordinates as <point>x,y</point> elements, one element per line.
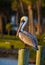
<point>27,37</point>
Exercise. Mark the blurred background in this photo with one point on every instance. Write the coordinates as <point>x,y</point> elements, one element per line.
<point>12,10</point>
<point>10,13</point>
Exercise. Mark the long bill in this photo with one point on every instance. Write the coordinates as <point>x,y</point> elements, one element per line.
<point>19,28</point>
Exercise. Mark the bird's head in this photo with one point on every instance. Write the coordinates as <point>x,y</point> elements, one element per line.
<point>22,20</point>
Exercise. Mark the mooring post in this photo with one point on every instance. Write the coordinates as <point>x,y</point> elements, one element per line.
<point>40,56</point>
<point>23,56</point>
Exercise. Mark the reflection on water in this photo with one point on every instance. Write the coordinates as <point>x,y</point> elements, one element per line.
<point>7,61</point>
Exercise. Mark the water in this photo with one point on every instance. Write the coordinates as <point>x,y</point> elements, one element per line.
<point>7,61</point>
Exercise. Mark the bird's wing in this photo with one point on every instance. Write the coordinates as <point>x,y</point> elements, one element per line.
<point>26,39</point>
<point>33,37</point>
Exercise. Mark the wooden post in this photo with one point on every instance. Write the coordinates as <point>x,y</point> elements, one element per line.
<point>23,56</point>
<point>40,57</point>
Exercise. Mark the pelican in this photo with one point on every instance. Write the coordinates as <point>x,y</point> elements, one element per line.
<point>26,37</point>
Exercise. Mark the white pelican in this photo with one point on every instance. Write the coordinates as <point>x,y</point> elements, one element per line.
<point>25,36</point>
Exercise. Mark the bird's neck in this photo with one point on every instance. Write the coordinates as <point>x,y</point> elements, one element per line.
<point>24,24</point>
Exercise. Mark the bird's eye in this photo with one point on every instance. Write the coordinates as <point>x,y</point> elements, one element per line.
<point>23,21</point>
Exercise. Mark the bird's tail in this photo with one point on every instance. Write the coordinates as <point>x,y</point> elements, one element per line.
<point>35,48</point>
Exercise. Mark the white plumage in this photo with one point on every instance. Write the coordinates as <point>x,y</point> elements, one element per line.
<point>25,36</point>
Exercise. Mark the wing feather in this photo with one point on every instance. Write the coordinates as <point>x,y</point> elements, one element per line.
<point>26,39</point>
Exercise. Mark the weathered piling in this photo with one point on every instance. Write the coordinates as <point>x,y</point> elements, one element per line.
<point>23,56</point>
<point>40,56</point>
